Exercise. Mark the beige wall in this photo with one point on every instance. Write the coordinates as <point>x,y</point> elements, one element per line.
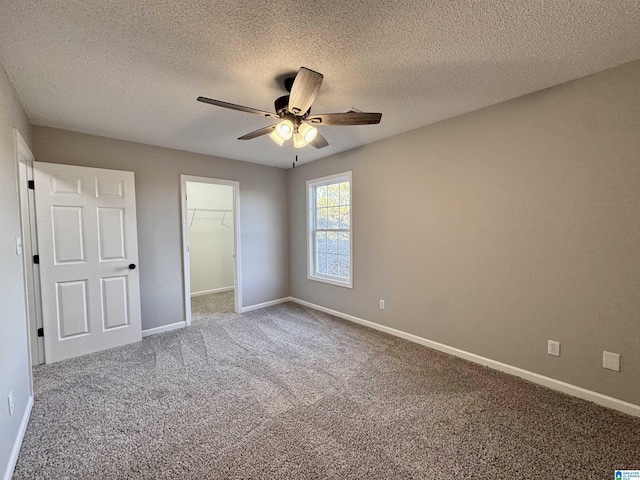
<point>14,343</point>
<point>263,215</point>
<point>497,230</point>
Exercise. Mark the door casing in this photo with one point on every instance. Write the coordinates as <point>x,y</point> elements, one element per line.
<point>29,245</point>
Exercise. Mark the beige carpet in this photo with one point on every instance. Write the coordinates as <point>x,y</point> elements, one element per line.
<point>223,302</point>
<point>291,393</point>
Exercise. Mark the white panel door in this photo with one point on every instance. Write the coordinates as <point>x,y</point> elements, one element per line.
<point>88,249</point>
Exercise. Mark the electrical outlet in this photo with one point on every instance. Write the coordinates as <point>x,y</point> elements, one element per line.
<point>10,399</point>
<point>553,348</point>
<point>611,361</point>
<point>381,304</point>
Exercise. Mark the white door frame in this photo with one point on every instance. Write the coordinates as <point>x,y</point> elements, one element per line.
<point>186,274</point>
<point>29,242</point>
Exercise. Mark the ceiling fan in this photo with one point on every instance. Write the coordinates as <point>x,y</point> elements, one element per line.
<point>294,113</point>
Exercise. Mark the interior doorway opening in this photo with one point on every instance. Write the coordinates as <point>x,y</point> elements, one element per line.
<point>210,226</point>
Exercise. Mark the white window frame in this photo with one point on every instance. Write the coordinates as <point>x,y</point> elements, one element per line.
<point>311,227</point>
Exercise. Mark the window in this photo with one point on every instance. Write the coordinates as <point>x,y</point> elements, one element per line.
<point>329,236</point>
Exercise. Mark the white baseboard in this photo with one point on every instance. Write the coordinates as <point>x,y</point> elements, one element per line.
<point>183,324</point>
<point>270,303</point>
<point>215,290</point>
<point>164,328</point>
<point>15,451</point>
<point>583,393</point>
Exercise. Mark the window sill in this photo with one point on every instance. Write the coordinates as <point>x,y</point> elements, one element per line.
<point>331,281</point>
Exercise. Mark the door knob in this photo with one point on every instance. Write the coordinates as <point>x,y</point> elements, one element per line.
<point>132,266</point>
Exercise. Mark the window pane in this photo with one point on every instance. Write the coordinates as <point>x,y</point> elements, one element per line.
<point>345,194</point>
<point>321,196</point>
<point>332,242</point>
<point>345,266</point>
<point>334,194</point>
<point>344,247</point>
<point>321,218</point>
<point>330,229</point>
<point>321,263</point>
<point>334,217</point>
<point>333,264</point>
<point>344,218</point>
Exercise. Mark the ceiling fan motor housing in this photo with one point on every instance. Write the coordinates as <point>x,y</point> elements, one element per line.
<point>281,104</point>
<point>282,107</point>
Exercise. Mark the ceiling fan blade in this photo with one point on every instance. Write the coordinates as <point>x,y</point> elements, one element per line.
<point>349,118</point>
<point>319,141</point>
<point>233,106</point>
<point>304,90</point>
<point>258,133</point>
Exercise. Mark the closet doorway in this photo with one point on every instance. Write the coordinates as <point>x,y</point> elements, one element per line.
<point>211,247</point>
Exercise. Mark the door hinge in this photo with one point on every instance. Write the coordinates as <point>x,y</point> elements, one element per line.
<point>41,332</point>
<point>36,259</point>
<point>31,184</point>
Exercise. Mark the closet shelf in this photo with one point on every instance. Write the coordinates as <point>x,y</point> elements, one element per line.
<point>211,210</point>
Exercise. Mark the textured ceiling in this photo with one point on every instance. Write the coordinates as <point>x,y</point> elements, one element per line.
<point>132,70</point>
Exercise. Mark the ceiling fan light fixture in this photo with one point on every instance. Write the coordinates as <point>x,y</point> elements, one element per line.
<point>308,132</point>
<point>277,138</point>
<point>282,132</point>
<point>285,129</point>
<point>305,135</point>
<point>299,141</point>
